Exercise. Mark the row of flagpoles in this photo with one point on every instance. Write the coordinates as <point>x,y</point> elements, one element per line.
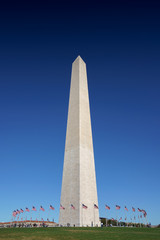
<point>141,214</point>
<point>16,213</point>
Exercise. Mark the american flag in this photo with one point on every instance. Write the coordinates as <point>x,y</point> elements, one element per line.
<point>120,218</point>
<point>27,210</point>
<point>34,209</point>
<point>143,211</point>
<point>145,214</point>
<point>112,219</point>
<point>41,208</point>
<point>18,212</point>
<point>95,206</point>
<point>51,207</point>
<point>139,210</point>
<point>125,208</point>
<point>48,219</point>
<point>72,206</point>
<point>42,219</point>
<point>21,218</point>
<point>84,206</point>
<point>125,219</point>
<point>118,207</point>
<point>21,210</point>
<point>61,207</point>
<point>133,209</point>
<point>107,207</point>
<point>141,216</point>
<point>18,218</point>
<point>14,213</point>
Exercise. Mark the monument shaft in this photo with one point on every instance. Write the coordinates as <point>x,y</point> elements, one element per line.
<point>79,181</point>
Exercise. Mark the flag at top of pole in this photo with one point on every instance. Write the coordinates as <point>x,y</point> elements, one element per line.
<point>41,208</point>
<point>61,207</point>
<point>133,209</point>
<point>21,210</point>
<point>139,210</point>
<point>145,214</point>
<point>18,212</point>
<point>14,213</point>
<point>27,210</point>
<point>118,207</point>
<point>51,207</point>
<point>84,206</point>
<point>126,208</point>
<point>95,206</point>
<point>72,207</point>
<point>34,209</point>
<point>107,207</point>
<point>143,211</point>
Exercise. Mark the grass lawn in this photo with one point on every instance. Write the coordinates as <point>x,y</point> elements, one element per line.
<point>80,233</point>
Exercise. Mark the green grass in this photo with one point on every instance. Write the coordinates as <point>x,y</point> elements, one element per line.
<point>80,233</point>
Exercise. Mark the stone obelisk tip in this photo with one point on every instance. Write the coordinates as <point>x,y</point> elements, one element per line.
<point>78,59</point>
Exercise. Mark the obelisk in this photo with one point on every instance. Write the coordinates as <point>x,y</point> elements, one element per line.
<point>79,203</point>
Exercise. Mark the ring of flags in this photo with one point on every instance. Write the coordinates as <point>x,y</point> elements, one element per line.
<point>143,213</point>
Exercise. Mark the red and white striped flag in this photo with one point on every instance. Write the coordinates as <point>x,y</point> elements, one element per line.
<point>14,213</point>
<point>61,207</point>
<point>139,210</point>
<point>120,218</point>
<point>107,207</point>
<point>21,210</point>
<point>125,208</point>
<point>133,209</point>
<point>27,210</point>
<point>51,207</point>
<point>84,206</point>
<point>95,206</point>
<point>18,212</point>
<point>118,207</point>
<point>145,214</point>
<point>72,207</point>
<point>42,209</point>
<point>34,209</point>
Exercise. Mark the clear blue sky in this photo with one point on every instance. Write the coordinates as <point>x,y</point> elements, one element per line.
<point>119,41</point>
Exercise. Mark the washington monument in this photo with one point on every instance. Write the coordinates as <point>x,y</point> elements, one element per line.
<point>79,203</point>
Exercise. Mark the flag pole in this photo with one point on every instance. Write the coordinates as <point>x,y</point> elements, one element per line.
<point>126,218</point>
<point>93,216</point>
<point>106,217</point>
<point>117,217</point>
<point>82,215</point>
<point>48,213</point>
<point>70,215</point>
<point>39,217</point>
